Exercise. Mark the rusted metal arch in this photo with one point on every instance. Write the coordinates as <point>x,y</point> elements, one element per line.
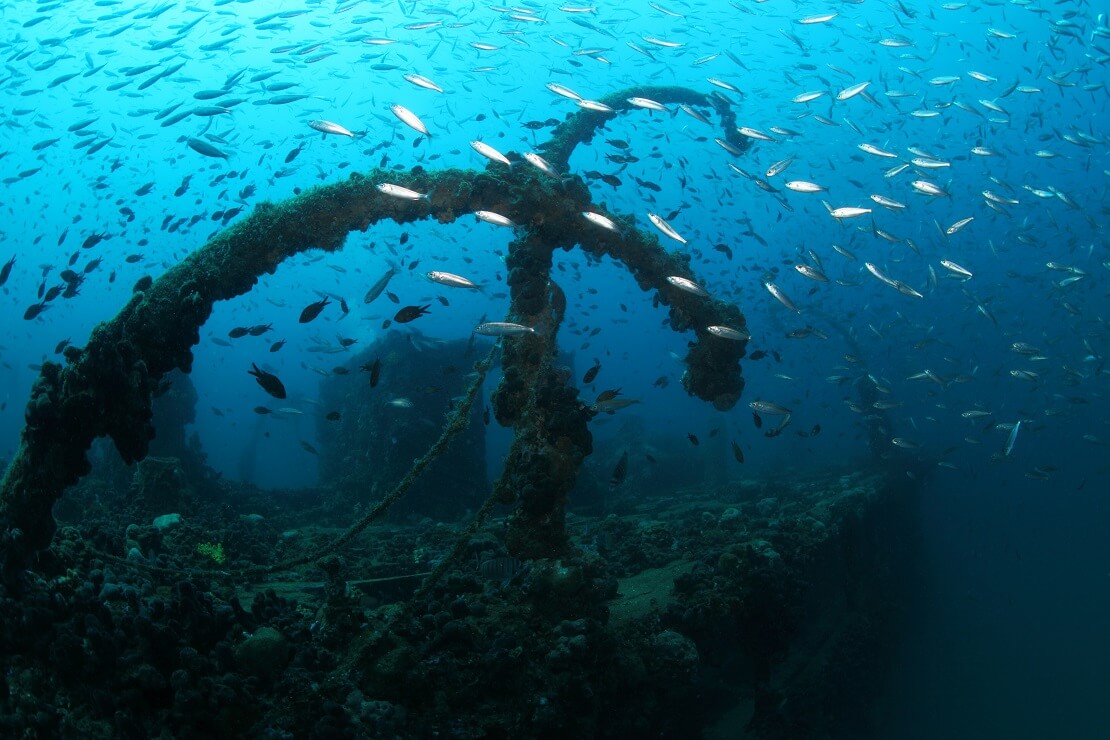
<point>106,387</point>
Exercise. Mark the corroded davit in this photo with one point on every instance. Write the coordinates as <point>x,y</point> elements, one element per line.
<point>106,388</point>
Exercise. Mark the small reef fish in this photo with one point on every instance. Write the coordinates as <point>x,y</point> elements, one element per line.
<point>6,270</point>
<point>591,374</point>
<point>269,382</point>
<point>313,310</point>
<point>410,313</point>
<point>620,470</point>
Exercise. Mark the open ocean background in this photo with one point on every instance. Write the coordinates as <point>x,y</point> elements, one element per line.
<point>1010,637</point>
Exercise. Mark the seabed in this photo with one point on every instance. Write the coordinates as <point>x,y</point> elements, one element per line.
<point>753,609</point>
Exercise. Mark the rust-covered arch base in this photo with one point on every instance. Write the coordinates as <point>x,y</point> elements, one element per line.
<point>106,388</point>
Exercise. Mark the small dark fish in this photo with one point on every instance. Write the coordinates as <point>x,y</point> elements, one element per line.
<point>410,313</point>
<point>592,372</point>
<point>60,346</point>
<point>277,345</point>
<point>94,239</point>
<point>758,421</point>
<point>333,416</point>
<point>309,448</point>
<point>6,270</point>
<point>257,409</point>
<point>375,370</point>
<point>259,329</point>
<point>608,395</point>
<point>693,439</point>
<point>313,310</point>
<point>500,569</point>
<point>757,355</point>
<point>34,310</point>
<point>238,332</point>
<point>619,472</point>
<point>815,431</point>
<point>737,452</point>
<point>268,381</point>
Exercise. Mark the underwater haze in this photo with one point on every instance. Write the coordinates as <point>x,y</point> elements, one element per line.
<point>920,219</point>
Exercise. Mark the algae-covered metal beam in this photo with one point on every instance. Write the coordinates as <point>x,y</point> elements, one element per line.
<point>105,389</point>
<point>579,127</point>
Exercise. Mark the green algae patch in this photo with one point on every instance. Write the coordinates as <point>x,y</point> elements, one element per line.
<point>639,594</point>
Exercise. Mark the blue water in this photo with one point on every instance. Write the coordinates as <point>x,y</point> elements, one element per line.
<point>1011,640</point>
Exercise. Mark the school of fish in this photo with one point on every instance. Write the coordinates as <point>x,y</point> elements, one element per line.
<point>922,213</point>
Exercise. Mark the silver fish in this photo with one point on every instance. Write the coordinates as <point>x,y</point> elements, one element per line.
<point>769,407</point>
<point>424,82</point>
<point>780,296</point>
<point>409,118</point>
<point>503,329</point>
<point>602,221</point>
<point>687,284</point>
<point>452,280</point>
<point>397,191</point>
<point>490,153</point>
<point>379,287</point>
<point>327,127</point>
<point>727,332</point>
<point>665,227</point>
<point>493,218</point>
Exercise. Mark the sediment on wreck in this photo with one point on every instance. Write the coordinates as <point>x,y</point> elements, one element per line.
<point>106,387</point>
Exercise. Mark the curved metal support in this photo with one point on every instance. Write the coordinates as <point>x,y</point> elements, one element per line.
<point>106,388</point>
